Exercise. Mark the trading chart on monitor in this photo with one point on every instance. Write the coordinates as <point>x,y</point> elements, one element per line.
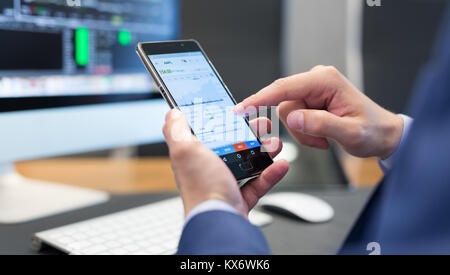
<point>55,48</point>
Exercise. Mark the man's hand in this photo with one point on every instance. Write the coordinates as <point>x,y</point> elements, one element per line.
<point>322,104</point>
<point>201,175</point>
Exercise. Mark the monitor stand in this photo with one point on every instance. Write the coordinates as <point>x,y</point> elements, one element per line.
<point>23,200</point>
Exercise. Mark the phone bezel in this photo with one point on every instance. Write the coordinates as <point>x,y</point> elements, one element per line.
<point>145,49</point>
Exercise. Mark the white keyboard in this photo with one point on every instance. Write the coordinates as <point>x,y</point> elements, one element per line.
<point>152,229</point>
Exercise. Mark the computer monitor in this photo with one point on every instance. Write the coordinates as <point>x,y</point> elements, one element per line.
<point>70,82</point>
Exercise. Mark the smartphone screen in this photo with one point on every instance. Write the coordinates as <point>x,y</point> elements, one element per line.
<point>199,93</point>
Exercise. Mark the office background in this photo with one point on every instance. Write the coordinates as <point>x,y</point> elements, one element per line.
<point>253,42</point>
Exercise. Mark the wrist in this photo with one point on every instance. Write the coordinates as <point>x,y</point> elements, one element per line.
<point>191,202</point>
<point>194,198</point>
<point>210,205</point>
<point>392,135</point>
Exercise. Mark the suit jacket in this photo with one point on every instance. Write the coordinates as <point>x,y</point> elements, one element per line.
<point>220,232</point>
<point>410,211</point>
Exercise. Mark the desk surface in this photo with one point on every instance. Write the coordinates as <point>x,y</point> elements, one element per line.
<point>149,174</point>
<point>285,235</point>
<point>138,182</point>
<point>112,175</point>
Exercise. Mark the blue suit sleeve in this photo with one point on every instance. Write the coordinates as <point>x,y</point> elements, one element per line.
<point>221,233</point>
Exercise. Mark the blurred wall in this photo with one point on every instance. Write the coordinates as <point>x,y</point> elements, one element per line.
<point>314,33</point>
<point>397,43</point>
<point>323,32</point>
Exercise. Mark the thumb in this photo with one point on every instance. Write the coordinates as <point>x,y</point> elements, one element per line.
<point>320,123</point>
<point>177,128</point>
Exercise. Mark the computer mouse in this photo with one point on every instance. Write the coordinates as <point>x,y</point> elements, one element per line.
<point>302,206</point>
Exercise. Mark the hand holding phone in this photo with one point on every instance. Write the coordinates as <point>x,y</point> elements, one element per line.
<point>202,176</point>
<point>188,81</point>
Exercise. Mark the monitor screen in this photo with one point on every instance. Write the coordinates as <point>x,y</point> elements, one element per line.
<point>57,53</point>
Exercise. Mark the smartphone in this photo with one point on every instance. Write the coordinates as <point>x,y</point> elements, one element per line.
<point>188,81</point>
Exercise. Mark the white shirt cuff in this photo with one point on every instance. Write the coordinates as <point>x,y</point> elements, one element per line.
<point>210,205</point>
<point>387,164</point>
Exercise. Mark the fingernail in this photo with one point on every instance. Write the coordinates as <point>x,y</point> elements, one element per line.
<point>175,113</point>
<point>277,110</point>
<point>296,120</point>
<point>239,109</point>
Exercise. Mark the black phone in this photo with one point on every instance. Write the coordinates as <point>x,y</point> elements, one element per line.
<point>188,81</point>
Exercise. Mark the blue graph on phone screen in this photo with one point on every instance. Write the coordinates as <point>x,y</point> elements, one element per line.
<point>205,102</point>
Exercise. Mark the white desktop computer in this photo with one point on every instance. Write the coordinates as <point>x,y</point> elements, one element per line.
<point>70,82</point>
